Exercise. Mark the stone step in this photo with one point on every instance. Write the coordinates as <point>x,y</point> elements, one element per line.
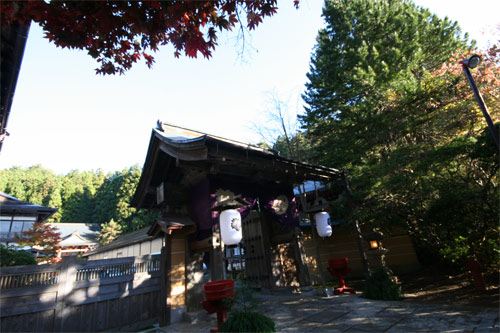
<point>195,317</point>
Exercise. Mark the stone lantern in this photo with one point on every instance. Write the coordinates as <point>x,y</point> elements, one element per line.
<point>376,251</point>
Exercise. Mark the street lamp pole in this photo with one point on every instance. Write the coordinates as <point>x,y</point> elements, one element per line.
<point>472,62</point>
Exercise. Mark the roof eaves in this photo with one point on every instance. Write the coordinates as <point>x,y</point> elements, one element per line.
<point>151,156</point>
<point>121,241</point>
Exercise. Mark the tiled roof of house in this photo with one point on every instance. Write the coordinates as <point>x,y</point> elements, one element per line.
<point>77,234</point>
<point>10,205</point>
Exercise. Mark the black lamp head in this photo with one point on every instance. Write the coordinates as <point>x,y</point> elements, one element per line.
<point>472,62</point>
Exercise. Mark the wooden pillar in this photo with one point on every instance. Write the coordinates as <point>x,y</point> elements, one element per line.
<point>67,278</point>
<point>217,270</point>
<point>301,259</point>
<point>318,252</point>
<point>165,270</point>
<point>267,280</point>
<point>216,264</point>
<point>194,279</point>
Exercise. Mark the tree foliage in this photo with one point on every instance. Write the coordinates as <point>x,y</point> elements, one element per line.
<point>80,196</point>
<point>369,51</point>
<point>282,130</point>
<point>109,231</point>
<point>386,100</point>
<point>12,257</point>
<point>296,146</point>
<point>382,285</point>
<point>244,315</point>
<point>119,33</point>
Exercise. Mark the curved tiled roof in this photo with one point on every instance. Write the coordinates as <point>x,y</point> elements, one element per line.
<point>171,148</point>
<point>75,234</point>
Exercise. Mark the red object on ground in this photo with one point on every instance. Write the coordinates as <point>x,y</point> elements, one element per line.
<point>220,289</point>
<point>339,269</point>
<point>475,269</point>
<point>215,293</point>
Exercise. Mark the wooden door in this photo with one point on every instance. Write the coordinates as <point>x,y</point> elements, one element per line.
<point>257,263</point>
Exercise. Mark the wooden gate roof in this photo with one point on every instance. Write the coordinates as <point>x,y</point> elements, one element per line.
<point>180,157</point>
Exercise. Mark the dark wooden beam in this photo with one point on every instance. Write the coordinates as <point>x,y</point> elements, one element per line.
<point>201,245</point>
<point>271,165</point>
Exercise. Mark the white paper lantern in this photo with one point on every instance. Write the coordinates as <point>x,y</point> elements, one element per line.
<point>230,226</point>
<point>323,224</point>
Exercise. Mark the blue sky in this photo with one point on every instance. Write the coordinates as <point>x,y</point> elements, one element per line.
<point>65,117</point>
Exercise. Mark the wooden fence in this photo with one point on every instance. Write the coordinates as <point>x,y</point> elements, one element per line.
<point>87,296</point>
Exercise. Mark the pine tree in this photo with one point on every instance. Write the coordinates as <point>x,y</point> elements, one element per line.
<point>109,231</point>
<point>368,49</point>
<point>387,101</point>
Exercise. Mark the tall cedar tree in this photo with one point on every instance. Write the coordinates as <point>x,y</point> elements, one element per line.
<point>367,49</point>
<point>381,105</point>
<point>119,33</point>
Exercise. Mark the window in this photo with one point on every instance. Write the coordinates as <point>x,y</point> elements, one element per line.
<point>235,259</point>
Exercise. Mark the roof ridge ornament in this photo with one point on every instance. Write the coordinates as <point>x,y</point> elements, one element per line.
<point>159,125</point>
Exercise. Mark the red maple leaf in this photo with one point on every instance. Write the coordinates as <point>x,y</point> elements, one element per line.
<point>108,29</point>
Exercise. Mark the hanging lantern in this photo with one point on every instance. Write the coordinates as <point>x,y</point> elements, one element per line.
<point>230,226</point>
<point>323,224</point>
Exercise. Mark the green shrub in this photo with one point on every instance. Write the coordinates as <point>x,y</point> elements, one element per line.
<point>244,316</point>
<point>13,257</point>
<point>242,321</point>
<point>382,285</point>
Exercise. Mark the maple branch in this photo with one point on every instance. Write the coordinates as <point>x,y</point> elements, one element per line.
<point>118,33</point>
<point>241,36</point>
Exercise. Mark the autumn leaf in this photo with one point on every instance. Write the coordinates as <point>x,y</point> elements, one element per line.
<point>107,29</point>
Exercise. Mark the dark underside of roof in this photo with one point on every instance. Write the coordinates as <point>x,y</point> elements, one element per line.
<point>28,208</point>
<point>169,164</point>
<point>42,213</point>
<point>12,48</point>
<point>13,206</point>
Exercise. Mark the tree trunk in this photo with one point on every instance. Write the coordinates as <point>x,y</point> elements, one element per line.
<point>357,229</point>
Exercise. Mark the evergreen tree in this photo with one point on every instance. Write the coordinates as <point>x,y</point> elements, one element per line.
<point>368,49</point>
<point>107,198</point>
<point>130,218</point>
<point>385,103</point>
<point>78,195</point>
<point>109,231</point>
<point>13,257</point>
<point>296,147</point>
<point>88,196</point>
